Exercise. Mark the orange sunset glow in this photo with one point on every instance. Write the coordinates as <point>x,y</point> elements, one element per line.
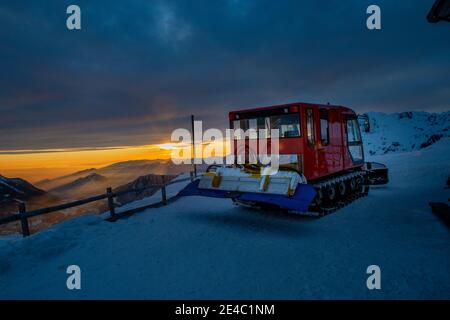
<point>35,165</point>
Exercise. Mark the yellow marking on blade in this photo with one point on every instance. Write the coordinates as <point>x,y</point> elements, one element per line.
<point>216,181</point>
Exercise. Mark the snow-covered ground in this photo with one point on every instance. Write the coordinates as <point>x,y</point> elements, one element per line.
<point>208,248</point>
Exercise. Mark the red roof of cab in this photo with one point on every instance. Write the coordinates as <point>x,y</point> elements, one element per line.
<point>317,105</point>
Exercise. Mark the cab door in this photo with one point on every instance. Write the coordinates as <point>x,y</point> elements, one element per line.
<point>310,150</point>
<point>354,146</point>
<point>328,152</point>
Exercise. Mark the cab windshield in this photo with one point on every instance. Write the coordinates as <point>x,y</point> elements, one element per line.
<point>288,124</point>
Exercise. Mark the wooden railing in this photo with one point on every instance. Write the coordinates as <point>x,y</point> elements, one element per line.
<point>23,215</point>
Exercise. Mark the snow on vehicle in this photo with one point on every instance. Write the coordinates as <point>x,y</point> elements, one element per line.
<point>321,161</point>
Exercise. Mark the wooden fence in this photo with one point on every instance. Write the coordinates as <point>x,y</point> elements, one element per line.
<point>23,215</point>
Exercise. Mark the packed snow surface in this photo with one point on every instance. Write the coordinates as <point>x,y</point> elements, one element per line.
<point>208,248</point>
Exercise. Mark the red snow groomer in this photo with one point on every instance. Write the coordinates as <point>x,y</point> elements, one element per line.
<point>321,161</point>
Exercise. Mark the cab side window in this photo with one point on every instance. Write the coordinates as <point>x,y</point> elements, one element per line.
<point>354,141</point>
<point>310,127</point>
<point>353,133</point>
<point>324,130</point>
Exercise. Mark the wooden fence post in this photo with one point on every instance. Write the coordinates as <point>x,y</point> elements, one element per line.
<point>164,194</point>
<point>24,219</point>
<point>109,193</point>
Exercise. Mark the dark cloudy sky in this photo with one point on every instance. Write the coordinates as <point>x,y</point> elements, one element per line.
<point>138,69</point>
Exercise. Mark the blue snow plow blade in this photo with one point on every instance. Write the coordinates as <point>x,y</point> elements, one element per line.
<point>300,201</point>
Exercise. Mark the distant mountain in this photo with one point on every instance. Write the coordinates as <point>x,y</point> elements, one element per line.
<point>120,173</point>
<point>12,189</point>
<point>151,182</point>
<point>82,184</point>
<point>16,188</point>
<point>142,167</point>
<point>48,184</point>
<point>403,132</point>
<point>88,185</point>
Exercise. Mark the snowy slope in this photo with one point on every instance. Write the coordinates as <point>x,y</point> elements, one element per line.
<point>407,131</point>
<point>207,248</point>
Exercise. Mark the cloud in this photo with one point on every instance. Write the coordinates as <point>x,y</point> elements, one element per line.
<point>138,69</point>
<point>18,152</point>
<point>171,28</point>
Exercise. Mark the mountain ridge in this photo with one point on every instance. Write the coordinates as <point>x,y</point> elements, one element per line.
<point>17,188</point>
<point>404,131</point>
